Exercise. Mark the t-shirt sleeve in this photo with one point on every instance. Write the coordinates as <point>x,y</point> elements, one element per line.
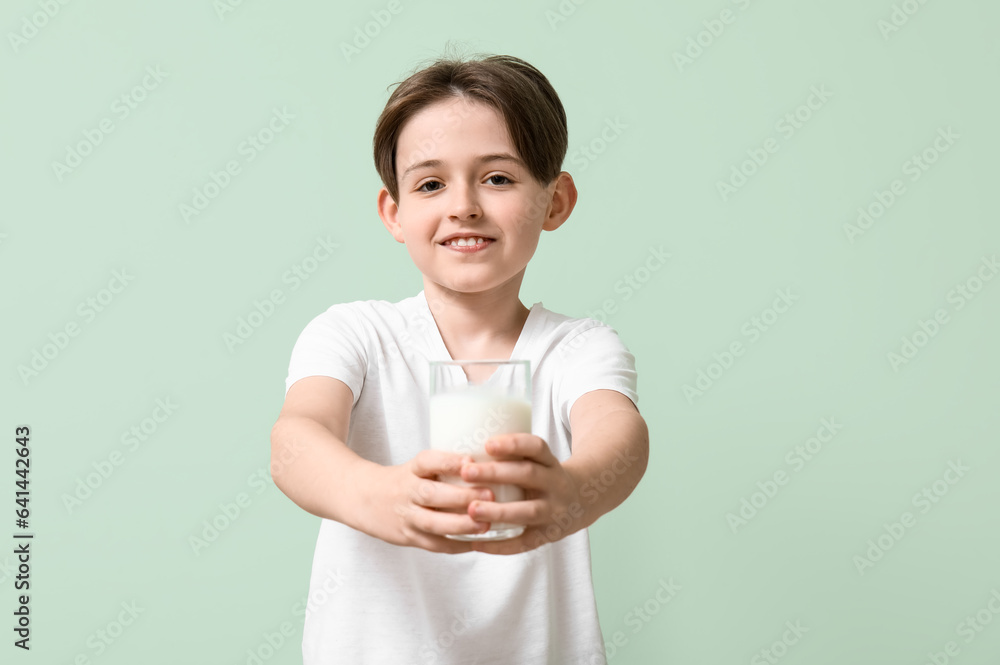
<point>333,345</point>
<point>595,358</point>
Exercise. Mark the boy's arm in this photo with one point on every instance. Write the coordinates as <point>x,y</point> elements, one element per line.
<point>610,438</point>
<point>309,461</point>
<point>610,453</point>
<point>312,465</point>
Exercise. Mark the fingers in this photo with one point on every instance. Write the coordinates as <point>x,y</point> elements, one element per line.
<point>521,446</point>
<point>440,544</point>
<point>532,538</point>
<point>522,459</point>
<point>438,523</point>
<point>447,496</point>
<point>527,474</point>
<point>435,509</point>
<point>531,512</point>
<point>431,463</point>
<point>430,509</point>
<point>438,508</point>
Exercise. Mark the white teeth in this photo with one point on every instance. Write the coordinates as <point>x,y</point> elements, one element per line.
<point>466,242</point>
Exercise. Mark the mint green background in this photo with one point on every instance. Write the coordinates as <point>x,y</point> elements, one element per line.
<point>655,185</point>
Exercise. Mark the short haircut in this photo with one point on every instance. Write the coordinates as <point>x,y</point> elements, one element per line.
<point>521,95</point>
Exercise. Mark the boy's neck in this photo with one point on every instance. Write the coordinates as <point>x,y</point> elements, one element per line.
<point>477,326</point>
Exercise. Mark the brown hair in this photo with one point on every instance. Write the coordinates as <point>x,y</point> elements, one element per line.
<point>520,94</point>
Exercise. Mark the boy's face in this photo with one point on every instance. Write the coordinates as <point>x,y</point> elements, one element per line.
<point>459,177</point>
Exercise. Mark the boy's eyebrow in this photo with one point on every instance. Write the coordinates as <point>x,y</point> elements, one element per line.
<point>482,159</point>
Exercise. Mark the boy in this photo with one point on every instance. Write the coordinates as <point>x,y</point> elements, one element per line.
<point>469,154</point>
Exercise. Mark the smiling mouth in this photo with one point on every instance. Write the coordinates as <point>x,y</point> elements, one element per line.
<point>472,241</point>
<point>468,244</point>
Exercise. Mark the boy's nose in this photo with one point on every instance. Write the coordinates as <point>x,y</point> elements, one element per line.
<point>464,203</point>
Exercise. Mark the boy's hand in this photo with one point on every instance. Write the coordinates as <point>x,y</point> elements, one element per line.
<point>551,509</point>
<point>409,506</point>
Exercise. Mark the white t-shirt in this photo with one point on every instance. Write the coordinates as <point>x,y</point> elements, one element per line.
<point>371,602</point>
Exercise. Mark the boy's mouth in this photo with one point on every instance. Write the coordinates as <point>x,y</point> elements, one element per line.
<point>467,243</point>
<point>463,242</point>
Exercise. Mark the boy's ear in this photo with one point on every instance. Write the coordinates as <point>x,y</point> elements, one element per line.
<point>564,197</point>
<point>388,211</point>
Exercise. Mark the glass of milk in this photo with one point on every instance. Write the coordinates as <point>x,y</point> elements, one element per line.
<point>471,401</point>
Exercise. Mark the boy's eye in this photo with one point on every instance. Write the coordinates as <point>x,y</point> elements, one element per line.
<point>429,182</point>
<point>426,187</point>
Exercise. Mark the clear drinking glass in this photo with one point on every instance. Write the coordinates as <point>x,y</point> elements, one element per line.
<point>471,401</point>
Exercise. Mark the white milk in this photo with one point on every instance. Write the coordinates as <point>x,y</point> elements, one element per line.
<point>461,422</point>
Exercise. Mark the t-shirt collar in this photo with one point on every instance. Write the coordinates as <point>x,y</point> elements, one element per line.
<point>521,349</point>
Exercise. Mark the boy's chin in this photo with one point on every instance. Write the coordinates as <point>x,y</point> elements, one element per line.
<point>466,288</point>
